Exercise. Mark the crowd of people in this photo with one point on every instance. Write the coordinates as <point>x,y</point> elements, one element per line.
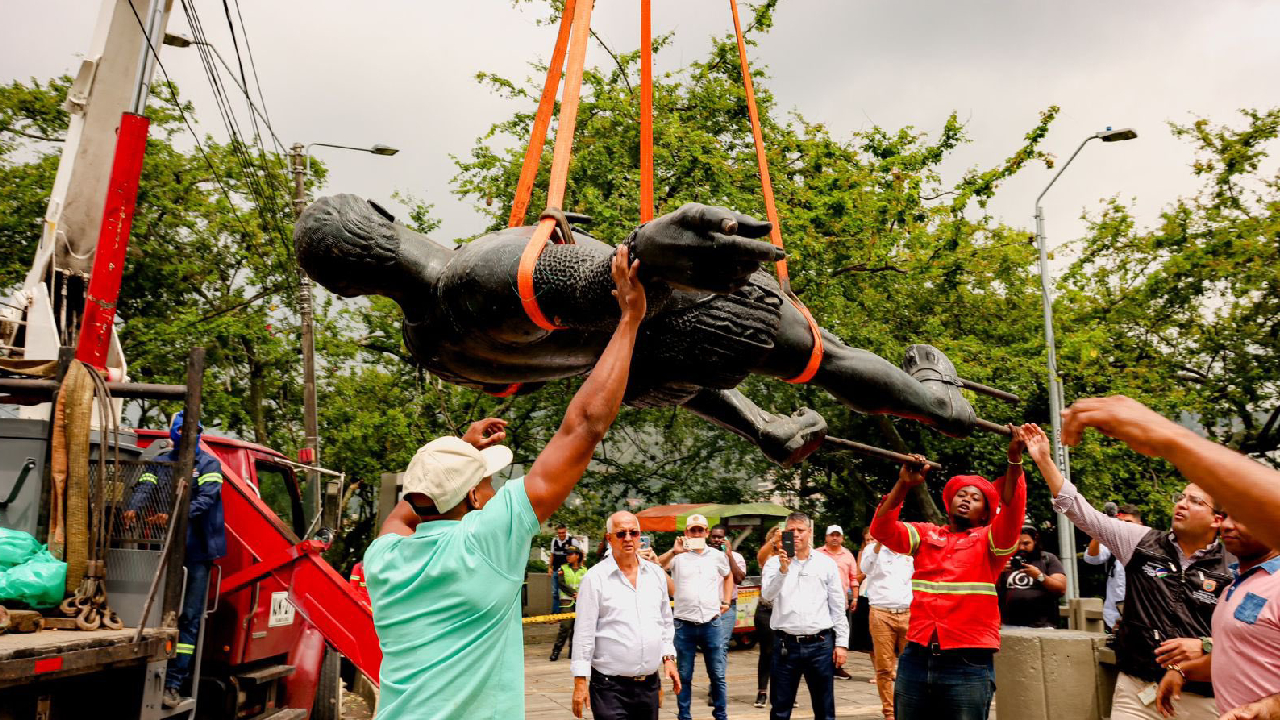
<point>1197,633</point>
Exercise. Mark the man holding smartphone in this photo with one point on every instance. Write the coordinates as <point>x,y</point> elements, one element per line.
<point>810,621</point>
<point>704,585</point>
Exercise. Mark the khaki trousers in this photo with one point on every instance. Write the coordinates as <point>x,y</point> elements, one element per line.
<point>888,640</point>
<point>1126,705</point>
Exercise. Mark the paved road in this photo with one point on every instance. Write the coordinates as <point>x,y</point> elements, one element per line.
<point>549,688</point>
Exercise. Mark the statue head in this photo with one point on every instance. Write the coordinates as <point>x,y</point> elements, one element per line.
<point>354,247</point>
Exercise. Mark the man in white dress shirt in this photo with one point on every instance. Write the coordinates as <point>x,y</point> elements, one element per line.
<point>704,586</point>
<point>1099,554</point>
<point>624,638</point>
<point>811,628</point>
<point>888,584</point>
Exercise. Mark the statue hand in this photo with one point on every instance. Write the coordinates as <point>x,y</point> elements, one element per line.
<point>703,248</point>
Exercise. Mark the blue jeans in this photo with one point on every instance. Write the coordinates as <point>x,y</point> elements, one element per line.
<point>727,620</point>
<point>813,661</point>
<point>189,625</point>
<point>955,684</point>
<point>555,591</point>
<point>707,638</point>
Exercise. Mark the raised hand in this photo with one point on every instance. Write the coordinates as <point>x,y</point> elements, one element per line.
<point>1122,418</point>
<point>704,248</point>
<point>1037,444</point>
<point>484,433</point>
<point>628,290</point>
<point>913,474</point>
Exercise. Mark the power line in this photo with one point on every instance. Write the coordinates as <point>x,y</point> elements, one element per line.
<point>260,182</point>
<point>195,136</point>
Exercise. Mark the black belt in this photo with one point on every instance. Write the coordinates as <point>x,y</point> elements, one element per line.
<point>715,619</point>
<point>627,678</point>
<point>815,637</point>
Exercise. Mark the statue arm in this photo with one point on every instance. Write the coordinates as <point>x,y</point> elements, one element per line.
<point>574,287</point>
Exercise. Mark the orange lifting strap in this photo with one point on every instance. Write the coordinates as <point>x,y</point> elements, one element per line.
<point>574,30</point>
<point>766,186</point>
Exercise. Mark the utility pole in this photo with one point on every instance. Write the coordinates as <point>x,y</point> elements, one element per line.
<point>311,424</point>
<point>1061,457</point>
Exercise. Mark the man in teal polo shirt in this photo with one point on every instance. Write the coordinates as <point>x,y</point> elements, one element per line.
<point>445,575</point>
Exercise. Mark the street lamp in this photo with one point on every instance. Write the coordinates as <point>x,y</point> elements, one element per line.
<point>1066,535</point>
<point>300,159</point>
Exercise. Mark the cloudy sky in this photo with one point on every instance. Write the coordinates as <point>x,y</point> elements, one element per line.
<point>401,72</point>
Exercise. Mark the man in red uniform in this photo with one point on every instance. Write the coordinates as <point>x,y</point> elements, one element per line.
<point>946,670</point>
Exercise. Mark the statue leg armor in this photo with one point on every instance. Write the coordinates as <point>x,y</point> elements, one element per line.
<point>786,440</point>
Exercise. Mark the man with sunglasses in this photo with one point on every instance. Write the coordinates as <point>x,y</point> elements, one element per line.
<point>1173,582</point>
<point>623,642</point>
<point>704,587</point>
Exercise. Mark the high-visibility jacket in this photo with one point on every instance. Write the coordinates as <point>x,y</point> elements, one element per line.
<point>206,532</point>
<point>954,584</point>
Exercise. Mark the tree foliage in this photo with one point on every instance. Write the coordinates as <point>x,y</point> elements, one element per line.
<point>883,251</point>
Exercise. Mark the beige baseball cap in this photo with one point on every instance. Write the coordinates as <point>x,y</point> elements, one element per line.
<point>696,520</point>
<point>446,469</point>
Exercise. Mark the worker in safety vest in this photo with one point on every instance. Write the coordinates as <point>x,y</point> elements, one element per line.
<point>954,631</point>
<point>358,584</point>
<point>206,541</point>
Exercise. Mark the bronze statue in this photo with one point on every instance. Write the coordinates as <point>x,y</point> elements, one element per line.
<point>714,318</point>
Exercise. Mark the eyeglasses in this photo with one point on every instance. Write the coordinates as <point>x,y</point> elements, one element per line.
<point>624,534</point>
<point>1197,501</point>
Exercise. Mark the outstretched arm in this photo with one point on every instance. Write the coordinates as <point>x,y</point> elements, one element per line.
<point>1119,536</point>
<point>1247,490</point>
<point>592,410</point>
<point>885,526</point>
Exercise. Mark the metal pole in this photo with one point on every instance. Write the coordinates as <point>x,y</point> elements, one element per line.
<point>1066,531</point>
<point>309,418</point>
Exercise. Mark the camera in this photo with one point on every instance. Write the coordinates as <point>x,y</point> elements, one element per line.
<point>1017,562</point>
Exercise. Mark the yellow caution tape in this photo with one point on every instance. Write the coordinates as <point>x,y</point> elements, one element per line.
<point>548,618</point>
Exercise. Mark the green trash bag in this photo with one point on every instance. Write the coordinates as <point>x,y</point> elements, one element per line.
<point>40,581</point>
<point>16,547</point>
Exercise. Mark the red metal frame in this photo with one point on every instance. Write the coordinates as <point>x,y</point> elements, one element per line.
<point>113,241</point>
<point>264,556</point>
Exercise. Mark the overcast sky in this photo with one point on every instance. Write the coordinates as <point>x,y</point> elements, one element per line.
<point>401,72</point>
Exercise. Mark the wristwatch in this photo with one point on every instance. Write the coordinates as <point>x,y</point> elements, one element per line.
<point>1206,644</point>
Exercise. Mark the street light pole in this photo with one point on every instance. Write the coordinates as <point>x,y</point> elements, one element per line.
<point>1066,532</point>
<point>310,419</point>
<point>324,505</point>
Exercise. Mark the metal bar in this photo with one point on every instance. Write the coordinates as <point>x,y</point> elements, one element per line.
<point>992,427</point>
<point>875,452</point>
<point>988,390</point>
<point>154,391</point>
<point>182,479</point>
<point>242,578</point>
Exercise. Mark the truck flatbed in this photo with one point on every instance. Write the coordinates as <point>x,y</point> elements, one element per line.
<point>51,654</point>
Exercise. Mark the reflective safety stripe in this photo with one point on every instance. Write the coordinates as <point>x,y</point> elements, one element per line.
<point>991,540</point>
<point>209,477</point>
<point>914,536</point>
<point>954,588</point>
<point>147,477</point>
<point>186,648</point>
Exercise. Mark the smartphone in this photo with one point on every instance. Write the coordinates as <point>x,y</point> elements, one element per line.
<point>646,542</point>
<point>789,542</point>
<point>693,543</point>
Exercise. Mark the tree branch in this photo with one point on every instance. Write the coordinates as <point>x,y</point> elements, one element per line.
<point>862,267</point>
<point>621,70</point>
<point>32,136</point>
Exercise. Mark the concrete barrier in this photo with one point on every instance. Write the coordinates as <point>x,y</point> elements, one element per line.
<point>1046,674</point>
